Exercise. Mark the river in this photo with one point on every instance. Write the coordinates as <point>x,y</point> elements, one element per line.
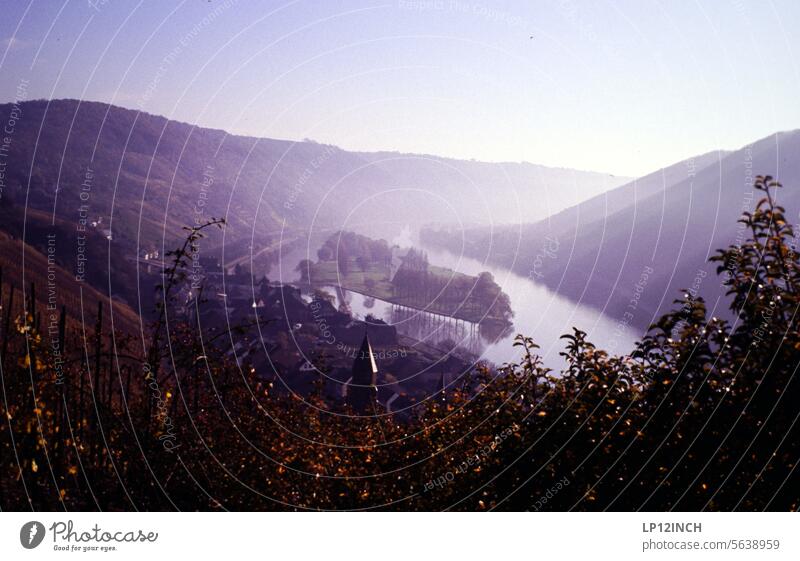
<point>538,312</point>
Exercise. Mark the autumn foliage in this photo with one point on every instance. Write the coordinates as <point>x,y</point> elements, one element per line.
<point>702,415</point>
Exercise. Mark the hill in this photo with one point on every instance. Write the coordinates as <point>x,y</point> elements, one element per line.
<point>131,181</point>
<point>631,251</point>
<point>150,176</point>
<point>55,287</point>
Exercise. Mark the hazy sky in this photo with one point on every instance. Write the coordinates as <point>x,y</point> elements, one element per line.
<point>622,87</point>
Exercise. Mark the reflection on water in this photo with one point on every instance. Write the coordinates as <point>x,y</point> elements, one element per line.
<point>440,331</point>
<point>542,314</point>
<point>538,312</point>
<point>446,333</point>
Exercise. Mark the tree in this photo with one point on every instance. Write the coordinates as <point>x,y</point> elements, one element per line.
<point>343,264</point>
<point>702,415</point>
<point>304,268</point>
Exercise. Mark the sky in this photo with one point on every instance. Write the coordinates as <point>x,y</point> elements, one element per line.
<point>619,87</point>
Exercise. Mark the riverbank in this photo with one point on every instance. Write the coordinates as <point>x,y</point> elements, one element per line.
<point>404,277</point>
<point>374,283</point>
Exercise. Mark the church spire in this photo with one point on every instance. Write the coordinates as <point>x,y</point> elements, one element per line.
<point>363,393</point>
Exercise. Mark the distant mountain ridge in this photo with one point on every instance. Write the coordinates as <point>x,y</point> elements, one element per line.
<point>155,170</point>
<point>133,180</point>
<point>630,251</point>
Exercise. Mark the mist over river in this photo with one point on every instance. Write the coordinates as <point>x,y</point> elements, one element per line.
<point>538,311</point>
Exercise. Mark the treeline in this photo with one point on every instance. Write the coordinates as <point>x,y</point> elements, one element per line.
<point>480,298</point>
<point>450,292</point>
<point>352,246</point>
